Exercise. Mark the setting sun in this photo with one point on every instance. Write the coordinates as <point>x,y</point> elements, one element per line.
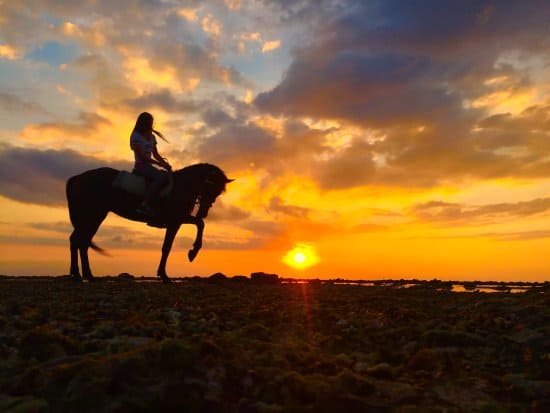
<point>302,256</point>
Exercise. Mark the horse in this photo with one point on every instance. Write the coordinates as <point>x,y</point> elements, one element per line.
<point>91,196</point>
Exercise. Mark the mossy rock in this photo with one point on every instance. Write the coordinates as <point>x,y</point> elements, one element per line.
<point>44,343</point>
<point>349,382</point>
<point>446,338</point>
<point>24,404</point>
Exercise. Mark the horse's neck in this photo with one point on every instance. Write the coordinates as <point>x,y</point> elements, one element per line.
<point>186,185</point>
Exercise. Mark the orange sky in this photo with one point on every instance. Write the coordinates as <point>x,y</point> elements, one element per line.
<point>377,140</point>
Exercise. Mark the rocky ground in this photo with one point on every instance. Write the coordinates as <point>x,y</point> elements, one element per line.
<point>237,345</point>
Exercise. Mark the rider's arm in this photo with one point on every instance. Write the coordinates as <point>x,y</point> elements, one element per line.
<point>161,161</point>
<point>138,148</point>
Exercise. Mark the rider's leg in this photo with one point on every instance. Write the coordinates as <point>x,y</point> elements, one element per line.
<point>158,179</point>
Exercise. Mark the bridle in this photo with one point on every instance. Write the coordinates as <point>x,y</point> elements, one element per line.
<point>208,182</point>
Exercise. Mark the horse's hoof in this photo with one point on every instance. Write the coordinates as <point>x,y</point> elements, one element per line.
<point>166,280</point>
<point>192,254</point>
<point>89,278</point>
<point>76,278</point>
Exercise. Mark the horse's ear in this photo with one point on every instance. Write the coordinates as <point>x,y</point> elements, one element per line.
<point>227,180</point>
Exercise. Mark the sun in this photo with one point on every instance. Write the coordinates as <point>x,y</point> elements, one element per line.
<point>301,256</point>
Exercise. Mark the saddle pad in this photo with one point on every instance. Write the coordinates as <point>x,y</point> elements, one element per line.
<point>130,183</point>
<point>136,184</point>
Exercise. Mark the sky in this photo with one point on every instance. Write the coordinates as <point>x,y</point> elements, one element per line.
<point>367,139</point>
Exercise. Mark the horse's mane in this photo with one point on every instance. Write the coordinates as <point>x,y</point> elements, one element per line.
<point>199,171</point>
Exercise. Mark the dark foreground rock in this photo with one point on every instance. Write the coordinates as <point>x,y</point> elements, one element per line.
<point>234,346</point>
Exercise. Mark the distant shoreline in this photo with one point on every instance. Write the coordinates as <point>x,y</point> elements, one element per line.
<point>434,284</point>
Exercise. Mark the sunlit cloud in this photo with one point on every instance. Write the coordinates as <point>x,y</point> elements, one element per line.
<point>271,45</point>
<point>8,52</point>
<point>211,25</point>
<point>233,4</point>
<point>189,14</point>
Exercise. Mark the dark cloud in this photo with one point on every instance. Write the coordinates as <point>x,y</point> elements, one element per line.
<point>15,104</point>
<point>499,236</point>
<point>438,211</point>
<point>238,145</point>
<point>162,99</point>
<point>216,117</point>
<point>39,177</point>
<point>527,130</point>
<point>354,166</point>
<point>370,90</point>
<point>229,213</point>
<point>518,236</point>
<point>277,205</point>
<point>411,72</point>
<point>63,227</point>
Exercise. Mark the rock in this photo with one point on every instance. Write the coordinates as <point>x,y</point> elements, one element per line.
<point>217,277</point>
<point>445,338</point>
<point>360,367</point>
<point>524,388</point>
<point>44,343</point>
<point>381,370</point>
<point>529,337</point>
<point>352,383</point>
<point>465,396</point>
<point>264,277</point>
<point>394,392</point>
<point>435,360</point>
<point>25,404</point>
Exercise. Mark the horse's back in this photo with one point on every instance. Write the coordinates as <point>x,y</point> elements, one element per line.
<point>90,189</point>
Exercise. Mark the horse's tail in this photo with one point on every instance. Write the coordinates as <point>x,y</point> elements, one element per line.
<point>99,249</point>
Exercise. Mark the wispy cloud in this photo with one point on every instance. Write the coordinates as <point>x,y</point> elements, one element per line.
<point>439,211</point>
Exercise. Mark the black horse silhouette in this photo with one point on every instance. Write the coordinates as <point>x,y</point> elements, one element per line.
<point>91,196</point>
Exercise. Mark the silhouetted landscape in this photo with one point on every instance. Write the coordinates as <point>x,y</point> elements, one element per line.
<point>262,343</point>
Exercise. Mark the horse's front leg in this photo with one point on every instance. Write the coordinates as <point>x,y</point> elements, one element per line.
<point>171,232</point>
<point>197,245</point>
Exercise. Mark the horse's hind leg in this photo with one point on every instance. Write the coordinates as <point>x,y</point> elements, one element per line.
<point>86,271</point>
<point>85,241</point>
<point>75,271</point>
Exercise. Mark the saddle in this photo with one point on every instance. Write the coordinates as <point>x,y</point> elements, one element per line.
<point>136,185</point>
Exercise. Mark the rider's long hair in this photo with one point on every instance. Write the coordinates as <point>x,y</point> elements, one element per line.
<point>144,125</point>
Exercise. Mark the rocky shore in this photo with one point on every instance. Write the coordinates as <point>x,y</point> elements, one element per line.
<point>259,344</point>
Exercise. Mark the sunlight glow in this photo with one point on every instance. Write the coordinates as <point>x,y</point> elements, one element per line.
<point>302,256</point>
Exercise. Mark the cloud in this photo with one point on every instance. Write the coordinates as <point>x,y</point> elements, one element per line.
<point>499,236</point>
<point>425,78</point>
<point>445,212</point>
<point>60,226</point>
<point>222,212</point>
<point>527,130</point>
<point>85,125</point>
<point>162,99</point>
<point>8,52</point>
<point>211,25</point>
<point>15,104</point>
<point>238,145</point>
<point>270,46</point>
<point>277,205</point>
<point>39,177</point>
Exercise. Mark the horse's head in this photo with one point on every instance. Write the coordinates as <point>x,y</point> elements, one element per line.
<point>212,186</point>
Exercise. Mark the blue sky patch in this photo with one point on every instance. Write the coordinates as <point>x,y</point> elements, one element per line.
<point>54,53</point>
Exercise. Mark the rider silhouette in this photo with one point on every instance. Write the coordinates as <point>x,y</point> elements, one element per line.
<point>144,145</point>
